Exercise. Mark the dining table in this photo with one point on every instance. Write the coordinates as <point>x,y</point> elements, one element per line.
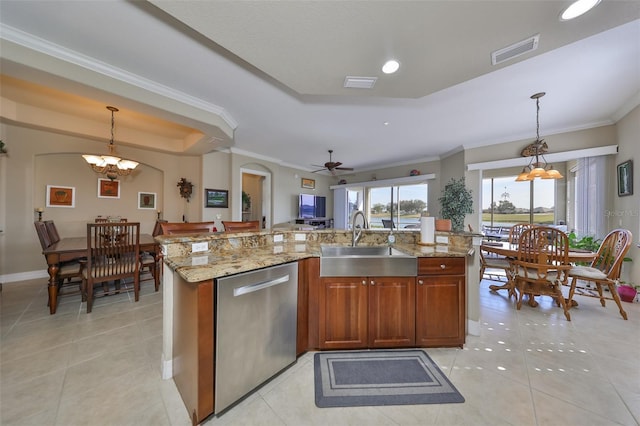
<point>510,251</point>
<point>74,248</point>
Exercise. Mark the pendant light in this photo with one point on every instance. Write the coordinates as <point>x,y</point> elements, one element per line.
<point>537,168</point>
<point>110,165</point>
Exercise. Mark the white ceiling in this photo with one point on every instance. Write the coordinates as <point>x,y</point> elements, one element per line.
<point>271,72</point>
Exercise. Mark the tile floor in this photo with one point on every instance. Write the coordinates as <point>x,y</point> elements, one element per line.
<point>527,367</point>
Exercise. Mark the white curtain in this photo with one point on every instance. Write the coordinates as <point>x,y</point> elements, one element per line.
<point>591,197</point>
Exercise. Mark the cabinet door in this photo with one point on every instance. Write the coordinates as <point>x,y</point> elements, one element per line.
<point>342,313</point>
<point>440,307</point>
<point>391,312</point>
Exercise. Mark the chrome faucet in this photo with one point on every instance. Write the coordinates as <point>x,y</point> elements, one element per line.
<point>357,229</point>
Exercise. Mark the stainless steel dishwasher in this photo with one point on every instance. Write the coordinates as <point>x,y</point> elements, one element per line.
<point>256,315</point>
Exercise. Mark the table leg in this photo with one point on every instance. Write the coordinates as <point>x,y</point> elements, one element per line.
<point>53,288</point>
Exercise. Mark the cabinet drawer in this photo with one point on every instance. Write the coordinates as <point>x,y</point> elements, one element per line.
<point>441,266</point>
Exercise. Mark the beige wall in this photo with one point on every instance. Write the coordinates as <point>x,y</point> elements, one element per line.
<point>626,210</point>
<point>38,158</point>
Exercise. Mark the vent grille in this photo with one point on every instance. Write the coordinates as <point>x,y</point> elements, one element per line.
<point>515,50</point>
<point>360,82</point>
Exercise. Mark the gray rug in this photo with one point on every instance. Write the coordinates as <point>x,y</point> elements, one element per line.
<point>380,377</point>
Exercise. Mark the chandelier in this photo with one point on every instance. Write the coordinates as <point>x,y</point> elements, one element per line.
<point>537,168</point>
<point>110,165</point>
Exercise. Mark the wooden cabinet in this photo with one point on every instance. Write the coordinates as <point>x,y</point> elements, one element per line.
<point>440,302</point>
<point>361,312</point>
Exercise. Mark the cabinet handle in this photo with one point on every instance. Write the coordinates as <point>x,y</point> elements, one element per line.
<point>373,282</point>
<point>420,282</point>
<point>364,282</point>
<point>443,266</point>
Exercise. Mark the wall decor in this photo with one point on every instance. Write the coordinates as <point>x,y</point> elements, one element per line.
<point>308,183</point>
<point>216,198</point>
<point>625,178</point>
<point>61,196</point>
<point>186,188</point>
<point>108,188</point>
<point>147,200</point>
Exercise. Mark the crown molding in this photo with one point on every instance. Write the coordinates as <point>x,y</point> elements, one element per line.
<point>31,42</point>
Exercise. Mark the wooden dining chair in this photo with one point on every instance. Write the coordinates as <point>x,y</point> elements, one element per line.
<point>172,228</point>
<point>230,226</point>
<point>388,223</point>
<point>113,255</point>
<point>69,276</point>
<point>542,264</point>
<point>43,234</point>
<point>603,271</point>
<point>52,231</point>
<point>517,230</point>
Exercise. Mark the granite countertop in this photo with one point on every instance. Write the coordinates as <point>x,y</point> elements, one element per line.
<point>203,266</point>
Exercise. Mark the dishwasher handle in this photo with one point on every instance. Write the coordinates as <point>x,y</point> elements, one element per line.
<point>259,286</point>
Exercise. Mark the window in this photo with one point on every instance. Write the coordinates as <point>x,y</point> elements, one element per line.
<point>400,204</point>
<point>506,202</point>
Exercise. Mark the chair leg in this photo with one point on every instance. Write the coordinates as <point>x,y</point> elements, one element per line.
<point>599,288</point>
<point>562,303</point>
<point>616,298</point>
<point>520,295</point>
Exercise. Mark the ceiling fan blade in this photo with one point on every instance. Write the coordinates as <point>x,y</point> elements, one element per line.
<point>319,170</point>
<point>343,168</point>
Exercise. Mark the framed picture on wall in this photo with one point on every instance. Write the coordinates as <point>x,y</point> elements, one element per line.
<point>308,183</point>
<point>108,188</point>
<point>216,198</point>
<point>625,178</point>
<point>147,200</point>
<point>61,196</point>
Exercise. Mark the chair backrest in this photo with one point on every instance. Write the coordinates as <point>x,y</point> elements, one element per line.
<point>387,223</point>
<point>157,228</point>
<point>612,251</point>
<point>517,230</point>
<point>113,250</point>
<point>230,226</point>
<point>43,234</point>
<point>171,228</point>
<point>52,231</point>
<point>109,219</point>
<point>543,245</point>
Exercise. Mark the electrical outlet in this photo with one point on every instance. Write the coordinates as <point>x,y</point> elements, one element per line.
<point>300,237</point>
<point>278,238</point>
<point>199,260</point>
<point>441,239</point>
<point>198,247</point>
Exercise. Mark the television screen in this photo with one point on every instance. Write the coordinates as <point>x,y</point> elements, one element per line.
<point>312,206</point>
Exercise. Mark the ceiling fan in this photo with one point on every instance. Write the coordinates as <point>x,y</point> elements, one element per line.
<point>331,166</point>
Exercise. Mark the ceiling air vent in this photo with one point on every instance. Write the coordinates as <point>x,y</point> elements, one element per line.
<point>520,48</point>
<point>359,82</point>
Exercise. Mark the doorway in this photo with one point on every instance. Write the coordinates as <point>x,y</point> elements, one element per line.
<point>256,196</point>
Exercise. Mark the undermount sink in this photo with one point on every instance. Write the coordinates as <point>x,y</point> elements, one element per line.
<point>368,261</point>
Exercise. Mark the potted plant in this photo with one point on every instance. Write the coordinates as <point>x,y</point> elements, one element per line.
<point>456,202</point>
<point>246,202</point>
<point>627,291</point>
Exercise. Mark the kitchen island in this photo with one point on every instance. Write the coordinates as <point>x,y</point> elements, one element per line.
<point>427,309</point>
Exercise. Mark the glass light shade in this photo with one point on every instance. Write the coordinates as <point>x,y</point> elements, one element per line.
<point>92,159</point>
<point>552,174</point>
<point>110,160</point>
<point>524,176</point>
<point>537,172</point>
<point>127,164</point>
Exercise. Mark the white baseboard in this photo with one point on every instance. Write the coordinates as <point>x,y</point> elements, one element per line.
<point>24,276</point>
<point>167,368</point>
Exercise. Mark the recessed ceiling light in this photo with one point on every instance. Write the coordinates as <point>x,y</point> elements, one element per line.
<point>390,66</point>
<point>577,8</point>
